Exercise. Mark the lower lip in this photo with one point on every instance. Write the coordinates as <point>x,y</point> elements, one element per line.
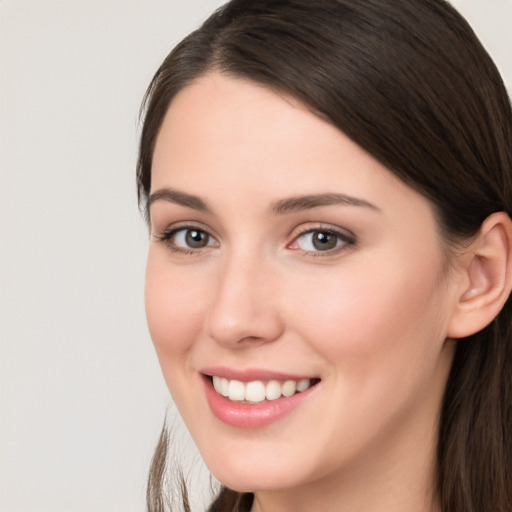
<point>252,415</point>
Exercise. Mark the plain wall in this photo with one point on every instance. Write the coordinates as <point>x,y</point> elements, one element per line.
<point>81,395</point>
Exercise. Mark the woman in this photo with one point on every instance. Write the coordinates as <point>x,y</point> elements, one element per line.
<point>328,186</point>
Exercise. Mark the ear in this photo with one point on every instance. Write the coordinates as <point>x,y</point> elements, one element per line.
<point>487,277</point>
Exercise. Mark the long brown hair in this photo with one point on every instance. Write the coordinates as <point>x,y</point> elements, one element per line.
<point>410,83</point>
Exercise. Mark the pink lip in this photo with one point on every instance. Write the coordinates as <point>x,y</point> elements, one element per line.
<point>251,374</point>
<point>250,416</point>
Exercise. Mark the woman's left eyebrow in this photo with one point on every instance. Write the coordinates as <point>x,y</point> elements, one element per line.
<point>306,202</point>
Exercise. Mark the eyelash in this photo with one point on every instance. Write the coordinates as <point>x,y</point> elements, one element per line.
<point>167,238</point>
<point>344,240</point>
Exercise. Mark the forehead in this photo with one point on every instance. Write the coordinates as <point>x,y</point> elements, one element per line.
<point>227,136</point>
<point>229,117</point>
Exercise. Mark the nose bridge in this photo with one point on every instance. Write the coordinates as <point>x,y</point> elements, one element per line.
<point>244,307</point>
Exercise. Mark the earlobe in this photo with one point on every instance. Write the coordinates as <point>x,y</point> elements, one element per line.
<point>487,277</point>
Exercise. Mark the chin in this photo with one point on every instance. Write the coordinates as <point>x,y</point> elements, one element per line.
<point>245,474</point>
<point>254,481</point>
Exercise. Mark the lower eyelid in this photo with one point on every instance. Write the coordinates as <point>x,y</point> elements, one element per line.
<point>167,237</point>
<point>343,241</point>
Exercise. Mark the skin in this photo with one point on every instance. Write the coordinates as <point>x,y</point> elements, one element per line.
<point>369,318</point>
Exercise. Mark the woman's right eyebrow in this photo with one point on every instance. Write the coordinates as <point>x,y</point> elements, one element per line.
<point>181,198</point>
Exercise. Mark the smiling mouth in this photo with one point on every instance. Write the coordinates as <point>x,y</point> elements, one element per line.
<point>257,391</point>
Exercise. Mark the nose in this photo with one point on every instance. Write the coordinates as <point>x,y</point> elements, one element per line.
<point>245,306</point>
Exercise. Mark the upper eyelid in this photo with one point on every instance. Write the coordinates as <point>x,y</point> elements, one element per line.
<point>312,227</point>
<point>346,236</point>
<point>166,237</point>
<point>177,226</point>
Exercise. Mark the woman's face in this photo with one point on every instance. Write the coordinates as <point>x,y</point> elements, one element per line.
<point>284,258</point>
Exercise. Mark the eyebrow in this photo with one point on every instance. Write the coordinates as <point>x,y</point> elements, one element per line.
<point>280,207</point>
<point>182,198</point>
<point>307,202</point>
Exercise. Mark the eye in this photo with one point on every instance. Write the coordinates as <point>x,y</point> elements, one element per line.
<point>321,240</point>
<point>187,239</point>
<point>192,239</point>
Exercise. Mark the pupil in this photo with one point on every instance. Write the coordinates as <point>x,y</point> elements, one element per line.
<point>195,238</point>
<point>324,241</point>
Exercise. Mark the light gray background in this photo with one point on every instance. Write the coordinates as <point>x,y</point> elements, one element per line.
<point>81,395</point>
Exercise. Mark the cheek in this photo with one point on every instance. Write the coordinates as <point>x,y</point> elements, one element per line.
<point>368,313</point>
<point>381,334</point>
<point>173,309</point>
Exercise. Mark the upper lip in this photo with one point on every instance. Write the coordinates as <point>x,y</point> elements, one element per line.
<point>252,374</point>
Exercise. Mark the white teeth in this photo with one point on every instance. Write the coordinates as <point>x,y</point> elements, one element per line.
<point>303,384</point>
<point>257,391</point>
<point>236,390</point>
<point>273,390</point>
<point>224,387</point>
<point>221,385</point>
<point>289,388</point>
